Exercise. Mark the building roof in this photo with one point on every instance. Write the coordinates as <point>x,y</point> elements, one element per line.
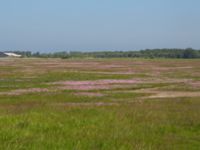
<point>12,54</point>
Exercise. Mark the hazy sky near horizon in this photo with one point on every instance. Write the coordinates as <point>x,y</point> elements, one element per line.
<point>55,25</point>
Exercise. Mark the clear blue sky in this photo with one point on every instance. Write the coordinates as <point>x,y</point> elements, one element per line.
<point>55,25</point>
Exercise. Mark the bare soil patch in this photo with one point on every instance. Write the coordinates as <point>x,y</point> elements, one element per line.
<point>167,94</point>
<point>24,91</point>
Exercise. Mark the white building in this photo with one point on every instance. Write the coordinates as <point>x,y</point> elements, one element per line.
<point>12,54</point>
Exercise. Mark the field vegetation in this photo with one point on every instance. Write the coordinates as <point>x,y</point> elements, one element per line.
<point>102,104</point>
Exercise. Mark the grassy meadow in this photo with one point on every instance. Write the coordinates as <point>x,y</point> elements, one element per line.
<point>99,104</point>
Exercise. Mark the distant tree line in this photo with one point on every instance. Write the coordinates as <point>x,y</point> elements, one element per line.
<point>148,53</point>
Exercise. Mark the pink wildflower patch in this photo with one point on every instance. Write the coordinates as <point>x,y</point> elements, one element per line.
<point>24,91</point>
<point>94,85</point>
<point>97,82</point>
<point>71,104</point>
<point>195,84</point>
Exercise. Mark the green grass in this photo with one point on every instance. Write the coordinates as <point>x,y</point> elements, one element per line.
<point>9,83</point>
<point>150,125</point>
<point>60,120</point>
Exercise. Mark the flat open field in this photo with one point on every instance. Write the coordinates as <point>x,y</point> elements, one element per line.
<point>99,104</point>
